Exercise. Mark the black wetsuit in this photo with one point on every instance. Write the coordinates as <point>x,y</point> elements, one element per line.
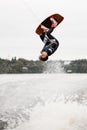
<point>49,47</point>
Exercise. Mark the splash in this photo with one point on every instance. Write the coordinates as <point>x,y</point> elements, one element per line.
<point>43,102</point>
<point>57,116</point>
<point>54,67</point>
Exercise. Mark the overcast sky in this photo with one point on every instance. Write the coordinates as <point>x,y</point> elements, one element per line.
<point>20,18</point>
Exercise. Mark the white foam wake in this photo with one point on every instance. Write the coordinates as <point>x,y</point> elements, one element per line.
<point>57,116</point>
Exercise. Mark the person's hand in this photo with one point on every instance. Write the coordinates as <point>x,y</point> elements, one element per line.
<point>53,25</point>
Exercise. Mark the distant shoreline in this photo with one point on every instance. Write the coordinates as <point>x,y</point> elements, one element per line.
<point>22,66</point>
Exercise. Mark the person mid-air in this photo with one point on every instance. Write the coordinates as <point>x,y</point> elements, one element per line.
<point>51,43</point>
<point>44,31</point>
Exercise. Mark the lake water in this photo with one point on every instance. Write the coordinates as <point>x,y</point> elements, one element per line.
<point>43,101</point>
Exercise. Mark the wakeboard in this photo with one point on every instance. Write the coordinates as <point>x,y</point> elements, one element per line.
<point>47,22</point>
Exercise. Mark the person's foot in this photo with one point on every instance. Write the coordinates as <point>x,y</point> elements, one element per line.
<point>54,22</point>
<point>45,29</point>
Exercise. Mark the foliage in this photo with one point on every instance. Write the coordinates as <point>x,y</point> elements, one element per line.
<point>77,66</point>
<point>29,66</point>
